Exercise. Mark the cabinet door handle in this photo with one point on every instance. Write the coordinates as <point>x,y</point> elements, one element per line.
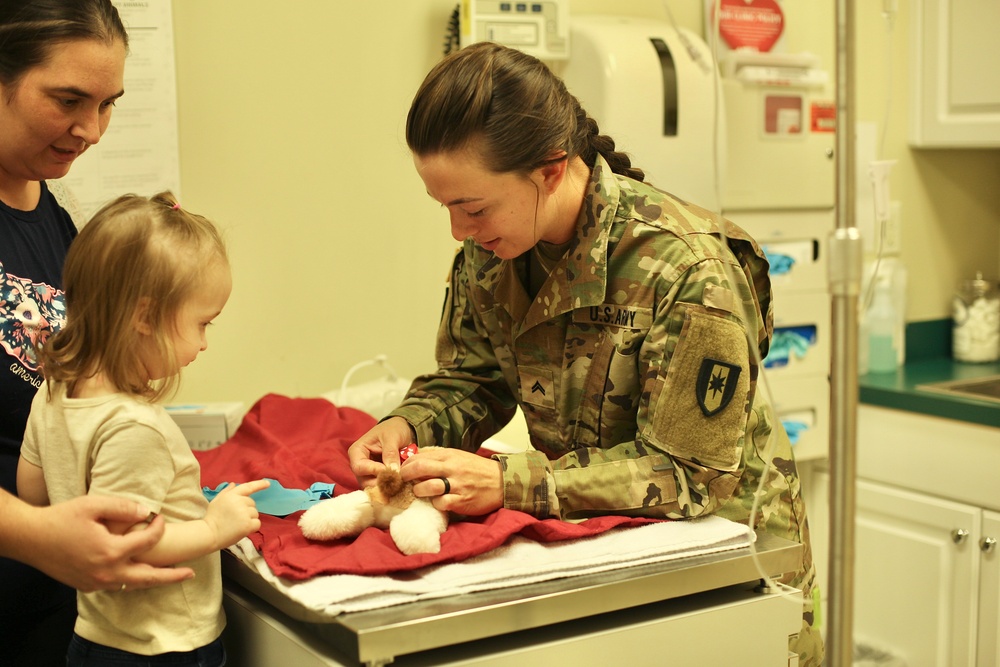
<point>988,544</point>
<point>959,535</point>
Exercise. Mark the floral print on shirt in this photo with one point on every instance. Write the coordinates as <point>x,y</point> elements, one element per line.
<point>29,314</point>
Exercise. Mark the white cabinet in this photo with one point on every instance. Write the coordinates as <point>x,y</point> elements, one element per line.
<point>954,78</point>
<point>927,583</point>
<point>916,588</point>
<point>989,592</point>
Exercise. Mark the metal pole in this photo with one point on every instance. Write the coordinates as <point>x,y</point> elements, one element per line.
<point>845,286</point>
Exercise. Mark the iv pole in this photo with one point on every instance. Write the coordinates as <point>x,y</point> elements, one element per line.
<point>845,285</point>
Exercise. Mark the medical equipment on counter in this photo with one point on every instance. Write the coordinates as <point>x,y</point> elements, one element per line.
<point>539,28</point>
<point>207,425</point>
<point>651,87</point>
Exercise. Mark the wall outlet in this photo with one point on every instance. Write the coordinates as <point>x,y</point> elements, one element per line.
<point>892,242</point>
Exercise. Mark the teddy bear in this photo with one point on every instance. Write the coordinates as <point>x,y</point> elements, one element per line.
<point>414,524</point>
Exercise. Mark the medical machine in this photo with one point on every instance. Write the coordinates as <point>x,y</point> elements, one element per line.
<point>539,28</point>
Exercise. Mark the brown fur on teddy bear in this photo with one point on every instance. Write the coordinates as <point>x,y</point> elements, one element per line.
<point>390,489</point>
<point>414,523</point>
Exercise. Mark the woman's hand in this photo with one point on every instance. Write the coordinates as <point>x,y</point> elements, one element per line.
<point>379,448</point>
<point>70,541</point>
<point>474,483</point>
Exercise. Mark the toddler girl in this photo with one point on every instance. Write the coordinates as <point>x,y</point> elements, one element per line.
<point>143,280</point>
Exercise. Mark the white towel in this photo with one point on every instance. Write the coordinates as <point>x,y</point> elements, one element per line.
<point>519,561</point>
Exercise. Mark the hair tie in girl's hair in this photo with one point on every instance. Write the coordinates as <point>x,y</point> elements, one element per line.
<point>176,207</point>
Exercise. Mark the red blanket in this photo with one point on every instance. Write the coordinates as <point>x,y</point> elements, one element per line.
<point>299,441</point>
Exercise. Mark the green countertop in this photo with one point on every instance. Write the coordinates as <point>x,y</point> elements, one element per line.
<point>928,361</point>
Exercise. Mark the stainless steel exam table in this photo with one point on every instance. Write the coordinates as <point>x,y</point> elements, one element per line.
<point>708,609</point>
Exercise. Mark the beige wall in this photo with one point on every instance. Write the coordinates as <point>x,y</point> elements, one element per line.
<point>291,128</point>
<point>950,198</point>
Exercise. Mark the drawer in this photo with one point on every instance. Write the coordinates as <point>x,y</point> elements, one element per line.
<point>795,243</point>
<point>932,455</point>
<point>801,341</point>
<point>803,406</point>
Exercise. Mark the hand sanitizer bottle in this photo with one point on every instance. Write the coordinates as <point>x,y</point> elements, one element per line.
<point>882,353</point>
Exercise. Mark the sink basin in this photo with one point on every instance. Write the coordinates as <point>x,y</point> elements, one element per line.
<point>984,388</point>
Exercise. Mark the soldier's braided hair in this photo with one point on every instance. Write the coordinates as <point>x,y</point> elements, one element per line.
<point>595,142</point>
<point>512,105</point>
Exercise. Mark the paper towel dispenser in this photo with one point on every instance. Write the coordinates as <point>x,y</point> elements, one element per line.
<point>652,88</point>
<point>669,69</point>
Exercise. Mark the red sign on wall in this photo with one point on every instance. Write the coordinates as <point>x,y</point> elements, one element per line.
<point>755,24</point>
<point>783,114</point>
<point>824,117</point>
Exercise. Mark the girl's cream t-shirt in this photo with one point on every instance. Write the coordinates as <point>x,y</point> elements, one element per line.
<point>118,445</point>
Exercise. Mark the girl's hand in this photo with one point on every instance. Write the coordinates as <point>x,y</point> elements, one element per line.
<point>232,515</point>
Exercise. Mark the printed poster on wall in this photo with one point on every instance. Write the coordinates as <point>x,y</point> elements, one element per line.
<point>756,25</point>
<point>139,151</point>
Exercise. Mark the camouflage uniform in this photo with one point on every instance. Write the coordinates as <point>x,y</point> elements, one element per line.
<point>632,368</point>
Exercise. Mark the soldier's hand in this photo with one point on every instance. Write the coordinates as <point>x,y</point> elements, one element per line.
<point>378,448</point>
<point>455,480</point>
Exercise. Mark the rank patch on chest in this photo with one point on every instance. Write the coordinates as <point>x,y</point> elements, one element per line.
<point>613,315</point>
<point>716,385</point>
<point>537,387</point>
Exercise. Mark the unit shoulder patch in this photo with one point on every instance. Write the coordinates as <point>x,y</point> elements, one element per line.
<point>716,385</point>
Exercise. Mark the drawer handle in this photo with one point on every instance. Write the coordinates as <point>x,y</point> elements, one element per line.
<point>988,544</point>
<point>959,535</point>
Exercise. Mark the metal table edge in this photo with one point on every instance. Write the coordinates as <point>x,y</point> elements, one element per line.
<point>381,634</point>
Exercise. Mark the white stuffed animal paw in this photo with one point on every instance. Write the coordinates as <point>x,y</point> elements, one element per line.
<point>414,524</point>
<point>418,528</point>
<point>342,516</point>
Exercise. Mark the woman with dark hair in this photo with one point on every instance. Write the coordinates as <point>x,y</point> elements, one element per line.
<point>61,70</point>
<point>628,326</point>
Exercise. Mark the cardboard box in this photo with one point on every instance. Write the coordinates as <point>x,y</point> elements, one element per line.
<point>207,425</point>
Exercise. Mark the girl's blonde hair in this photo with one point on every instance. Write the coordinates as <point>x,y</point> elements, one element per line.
<point>137,259</point>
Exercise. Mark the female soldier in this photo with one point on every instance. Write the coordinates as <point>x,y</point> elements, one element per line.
<point>627,325</point>
<point>61,70</point>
